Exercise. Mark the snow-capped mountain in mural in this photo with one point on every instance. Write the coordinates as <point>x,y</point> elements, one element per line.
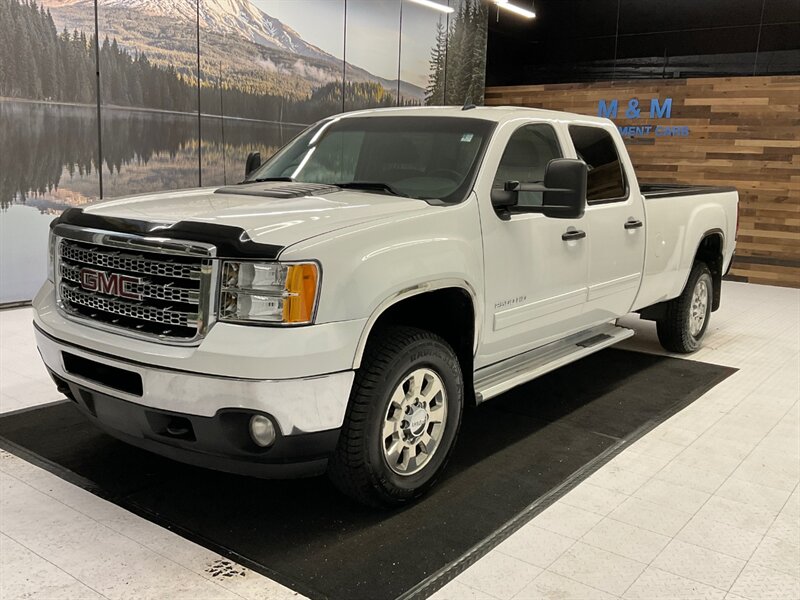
<point>237,17</point>
<point>165,31</point>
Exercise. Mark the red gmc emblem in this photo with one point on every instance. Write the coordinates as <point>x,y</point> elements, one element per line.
<point>112,284</point>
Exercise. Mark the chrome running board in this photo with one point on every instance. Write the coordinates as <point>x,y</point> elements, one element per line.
<point>498,378</point>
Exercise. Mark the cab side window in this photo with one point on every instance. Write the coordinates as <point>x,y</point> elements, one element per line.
<point>525,158</point>
<point>606,179</point>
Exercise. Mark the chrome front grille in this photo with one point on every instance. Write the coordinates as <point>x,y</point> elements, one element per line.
<point>148,287</point>
<point>167,291</point>
<point>130,310</point>
<point>125,262</point>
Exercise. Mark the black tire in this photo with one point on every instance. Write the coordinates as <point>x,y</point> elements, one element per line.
<point>359,467</point>
<point>675,327</point>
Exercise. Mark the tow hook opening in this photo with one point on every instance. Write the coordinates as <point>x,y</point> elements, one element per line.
<point>171,426</point>
<point>178,427</point>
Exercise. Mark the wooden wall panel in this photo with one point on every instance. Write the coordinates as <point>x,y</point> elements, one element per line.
<point>744,131</point>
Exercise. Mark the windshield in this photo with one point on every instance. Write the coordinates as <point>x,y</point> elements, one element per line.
<point>419,157</point>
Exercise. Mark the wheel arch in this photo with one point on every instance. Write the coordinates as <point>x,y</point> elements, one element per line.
<point>421,306</point>
<point>711,251</point>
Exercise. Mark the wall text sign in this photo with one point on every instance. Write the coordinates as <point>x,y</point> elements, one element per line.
<point>657,109</point>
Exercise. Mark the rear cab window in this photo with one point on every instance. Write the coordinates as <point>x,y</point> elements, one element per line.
<point>606,179</point>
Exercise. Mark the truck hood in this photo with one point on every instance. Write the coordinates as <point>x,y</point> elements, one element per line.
<point>266,220</point>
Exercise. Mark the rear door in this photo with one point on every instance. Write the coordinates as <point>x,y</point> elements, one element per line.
<point>615,219</point>
<point>535,277</point>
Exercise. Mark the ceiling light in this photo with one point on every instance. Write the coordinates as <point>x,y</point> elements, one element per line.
<point>524,12</point>
<point>434,5</point>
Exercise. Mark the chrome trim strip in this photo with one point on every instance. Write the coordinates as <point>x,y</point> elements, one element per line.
<point>135,242</point>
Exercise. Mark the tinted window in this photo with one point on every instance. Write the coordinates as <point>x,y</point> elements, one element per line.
<point>596,147</point>
<point>525,158</point>
<point>419,157</point>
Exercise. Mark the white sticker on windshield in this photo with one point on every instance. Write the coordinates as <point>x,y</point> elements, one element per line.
<point>467,137</point>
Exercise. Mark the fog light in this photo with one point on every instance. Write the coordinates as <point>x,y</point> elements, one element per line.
<point>262,430</point>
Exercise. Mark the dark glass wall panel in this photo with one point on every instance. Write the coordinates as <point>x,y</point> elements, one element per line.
<point>575,41</point>
<point>647,17</point>
<point>689,42</point>
<point>551,61</point>
<point>576,19</point>
<point>685,53</point>
<point>779,49</point>
<point>781,11</point>
<point>782,36</point>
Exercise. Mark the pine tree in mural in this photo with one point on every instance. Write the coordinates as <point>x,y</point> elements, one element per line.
<point>434,93</point>
<point>458,60</point>
<point>33,54</point>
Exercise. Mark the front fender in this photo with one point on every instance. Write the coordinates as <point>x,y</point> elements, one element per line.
<point>368,268</point>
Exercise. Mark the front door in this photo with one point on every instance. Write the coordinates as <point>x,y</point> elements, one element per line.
<point>536,267</point>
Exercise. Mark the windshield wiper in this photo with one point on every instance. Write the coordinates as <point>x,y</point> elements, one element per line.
<point>265,179</point>
<point>376,186</point>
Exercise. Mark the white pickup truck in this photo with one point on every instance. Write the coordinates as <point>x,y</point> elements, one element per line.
<point>337,309</point>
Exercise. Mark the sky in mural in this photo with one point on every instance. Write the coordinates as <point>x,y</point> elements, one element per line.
<point>375,22</point>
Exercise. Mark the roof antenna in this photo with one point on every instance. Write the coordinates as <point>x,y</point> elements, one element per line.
<point>468,105</point>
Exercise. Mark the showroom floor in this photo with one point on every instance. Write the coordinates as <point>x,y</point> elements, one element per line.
<point>704,506</point>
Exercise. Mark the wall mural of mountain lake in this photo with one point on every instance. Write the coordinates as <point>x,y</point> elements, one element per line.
<point>267,69</point>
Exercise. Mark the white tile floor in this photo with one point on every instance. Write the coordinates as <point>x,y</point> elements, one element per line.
<point>705,506</point>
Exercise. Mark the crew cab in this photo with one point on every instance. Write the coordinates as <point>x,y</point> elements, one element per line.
<point>336,310</point>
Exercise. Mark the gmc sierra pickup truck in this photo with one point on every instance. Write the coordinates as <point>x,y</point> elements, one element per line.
<point>338,309</point>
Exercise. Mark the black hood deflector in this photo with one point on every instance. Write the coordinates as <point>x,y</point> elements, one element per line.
<point>231,242</point>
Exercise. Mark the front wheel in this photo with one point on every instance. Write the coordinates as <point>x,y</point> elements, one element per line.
<point>686,318</point>
<point>403,418</point>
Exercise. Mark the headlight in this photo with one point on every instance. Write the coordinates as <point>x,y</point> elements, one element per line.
<point>51,257</point>
<point>268,292</point>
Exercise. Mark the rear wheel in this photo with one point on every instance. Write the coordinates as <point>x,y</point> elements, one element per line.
<point>685,321</point>
<point>403,418</point>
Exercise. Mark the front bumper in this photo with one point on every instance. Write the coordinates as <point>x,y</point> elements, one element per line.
<point>146,406</point>
<point>228,350</point>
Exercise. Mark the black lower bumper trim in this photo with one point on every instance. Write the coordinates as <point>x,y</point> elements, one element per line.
<point>221,442</point>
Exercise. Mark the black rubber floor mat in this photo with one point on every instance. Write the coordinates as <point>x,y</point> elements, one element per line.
<point>515,455</point>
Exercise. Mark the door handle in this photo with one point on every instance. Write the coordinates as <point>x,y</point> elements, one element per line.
<point>569,236</point>
<point>633,224</point>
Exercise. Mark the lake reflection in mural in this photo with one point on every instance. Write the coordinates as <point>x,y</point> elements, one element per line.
<point>49,163</point>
